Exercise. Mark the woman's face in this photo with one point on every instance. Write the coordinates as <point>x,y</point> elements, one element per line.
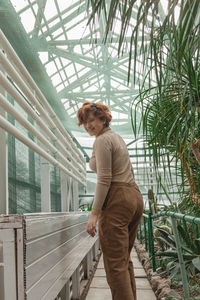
<point>93,125</point>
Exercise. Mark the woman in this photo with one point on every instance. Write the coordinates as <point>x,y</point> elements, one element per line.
<point>118,204</point>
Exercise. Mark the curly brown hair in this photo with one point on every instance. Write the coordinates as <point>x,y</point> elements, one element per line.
<point>99,110</point>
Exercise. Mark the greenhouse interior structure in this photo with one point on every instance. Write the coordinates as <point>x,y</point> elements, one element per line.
<point>141,59</point>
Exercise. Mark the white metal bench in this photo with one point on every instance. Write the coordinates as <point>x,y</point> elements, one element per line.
<point>45,255</point>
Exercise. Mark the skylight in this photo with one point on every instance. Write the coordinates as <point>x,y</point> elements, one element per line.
<point>80,66</point>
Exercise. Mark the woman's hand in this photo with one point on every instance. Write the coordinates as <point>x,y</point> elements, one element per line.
<point>92,222</point>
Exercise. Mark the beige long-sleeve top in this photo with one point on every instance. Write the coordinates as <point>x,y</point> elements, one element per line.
<point>110,160</point>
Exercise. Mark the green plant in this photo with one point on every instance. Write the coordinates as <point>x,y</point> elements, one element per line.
<point>190,243</point>
<point>170,110</point>
<point>150,23</point>
<point>174,282</point>
<point>89,208</point>
<point>195,288</point>
<point>159,232</point>
<point>169,97</point>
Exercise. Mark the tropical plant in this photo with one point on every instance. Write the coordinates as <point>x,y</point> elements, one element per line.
<point>168,48</point>
<point>158,232</point>
<point>170,110</point>
<point>190,244</point>
<point>150,22</point>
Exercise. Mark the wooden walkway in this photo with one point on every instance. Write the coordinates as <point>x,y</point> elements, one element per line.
<point>99,288</point>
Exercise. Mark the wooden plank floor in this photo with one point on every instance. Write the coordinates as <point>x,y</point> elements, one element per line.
<point>99,288</point>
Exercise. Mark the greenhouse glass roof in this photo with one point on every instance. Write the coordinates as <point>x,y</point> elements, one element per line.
<point>55,42</point>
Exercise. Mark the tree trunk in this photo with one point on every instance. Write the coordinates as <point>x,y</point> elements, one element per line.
<point>195,150</point>
<point>189,177</point>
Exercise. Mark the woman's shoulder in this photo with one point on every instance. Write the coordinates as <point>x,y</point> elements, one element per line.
<point>104,139</point>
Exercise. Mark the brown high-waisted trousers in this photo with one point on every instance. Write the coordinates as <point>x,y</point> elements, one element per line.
<point>118,222</point>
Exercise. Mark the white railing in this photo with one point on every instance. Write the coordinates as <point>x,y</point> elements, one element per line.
<point>49,129</point>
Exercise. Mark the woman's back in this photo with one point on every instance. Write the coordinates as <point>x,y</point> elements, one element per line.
<point>111,156</point>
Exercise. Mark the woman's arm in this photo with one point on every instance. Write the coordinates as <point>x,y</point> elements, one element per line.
<point>103,155</point>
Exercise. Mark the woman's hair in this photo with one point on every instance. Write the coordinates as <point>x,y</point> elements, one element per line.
<point>99,110</point>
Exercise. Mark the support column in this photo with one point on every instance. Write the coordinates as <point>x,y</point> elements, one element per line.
<point>31,168</point>
<point>65,292</point>
<point>76,284</point>
<point>7,236</point>
<point>3,163</point>
<point>45,185</point>
<point>63,182</point>
<point>69,195</point>
<point>75,195</point>
<point>12,201</point>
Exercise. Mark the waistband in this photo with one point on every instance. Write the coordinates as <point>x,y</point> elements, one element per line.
<point>119,183</point>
